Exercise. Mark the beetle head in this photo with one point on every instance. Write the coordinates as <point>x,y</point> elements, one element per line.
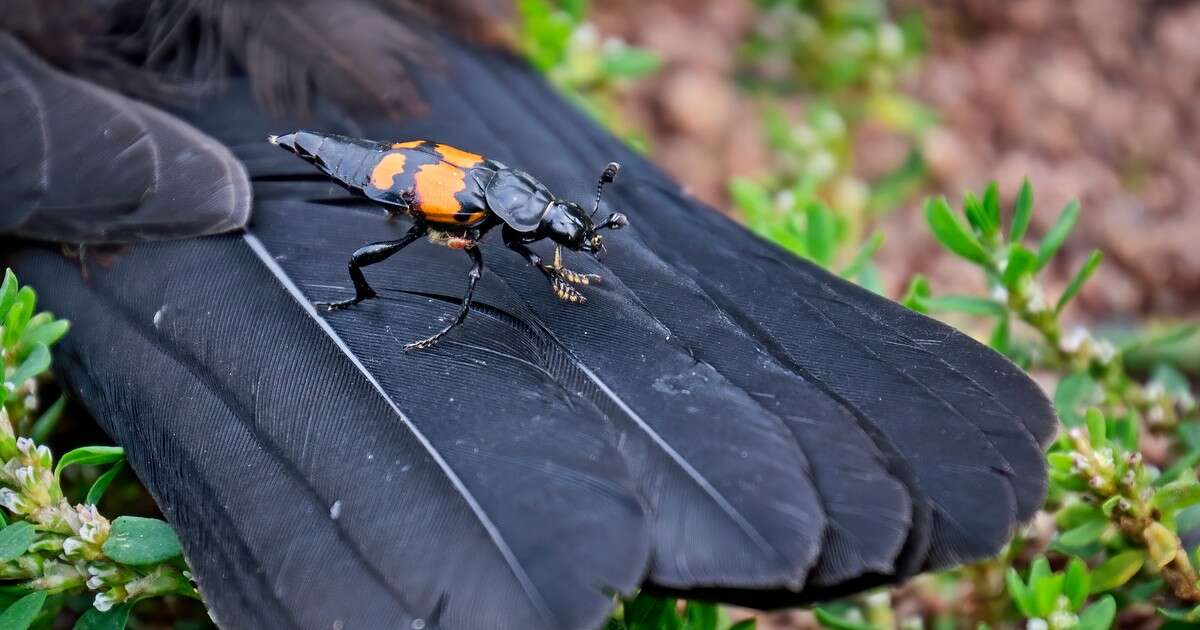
<point>568,225</point>
<point>589,238</point>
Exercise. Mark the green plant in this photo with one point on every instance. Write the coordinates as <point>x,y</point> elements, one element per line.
<point>1056,600</point>
<point>647,612</point>
<point>848,56</point>
<point>1110,507</point>
<point>50,548</point>
<point>557,38</point>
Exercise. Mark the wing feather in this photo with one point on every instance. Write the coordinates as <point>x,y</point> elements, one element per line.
<point>84,164</point>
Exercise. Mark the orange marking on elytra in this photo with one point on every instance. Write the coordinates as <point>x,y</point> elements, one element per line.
<point>389,167</point>
<point>436,186</point>
<point>458,157</point>
<point>411,144</point>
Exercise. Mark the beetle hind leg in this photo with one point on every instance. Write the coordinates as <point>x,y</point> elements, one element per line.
<point>473,276</point>
<point>369,255</point>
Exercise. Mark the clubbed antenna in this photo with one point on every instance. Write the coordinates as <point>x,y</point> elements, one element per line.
<point>607,177</point>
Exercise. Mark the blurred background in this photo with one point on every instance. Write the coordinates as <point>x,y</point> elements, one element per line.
<point>875,103</point>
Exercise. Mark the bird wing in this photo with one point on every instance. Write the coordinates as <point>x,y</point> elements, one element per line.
<point>83,164</point>
<point>721,419</point>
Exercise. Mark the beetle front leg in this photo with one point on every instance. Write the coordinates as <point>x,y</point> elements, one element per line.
<point>559,277</point>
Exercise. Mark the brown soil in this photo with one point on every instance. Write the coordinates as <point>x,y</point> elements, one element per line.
<point>1092,99</point>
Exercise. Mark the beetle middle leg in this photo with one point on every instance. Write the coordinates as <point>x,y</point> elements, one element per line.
<point>472,279</point>
<point>369,255</point>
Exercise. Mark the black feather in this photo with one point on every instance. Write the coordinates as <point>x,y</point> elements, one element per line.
<point>721,418</point>
<point>83,164</point>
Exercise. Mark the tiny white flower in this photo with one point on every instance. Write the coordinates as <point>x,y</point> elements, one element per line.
<point>1074,340</point>
<point>25,476</point>
<point>45,458</point>
<point>89,532</point>
<point>104,602</point>
<point>1037,624</point>
<point>26,446</point>
<point>1037,300</point>
<point>95,583</point>
<point>101,570</point>
<point>891,40</point>
<point>999,293</point>
<point>13,501</point>
<point>72,545</point>
<point>1105,351</point>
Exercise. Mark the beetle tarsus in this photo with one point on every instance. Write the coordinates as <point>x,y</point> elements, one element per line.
<point>337,306</point>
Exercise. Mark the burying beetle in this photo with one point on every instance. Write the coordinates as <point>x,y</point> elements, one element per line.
<point>455,198</point>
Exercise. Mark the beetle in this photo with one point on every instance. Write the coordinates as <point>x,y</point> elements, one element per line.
<point>454,198</point>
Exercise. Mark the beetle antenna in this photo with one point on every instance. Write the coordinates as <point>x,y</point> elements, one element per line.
<point>607,177</point>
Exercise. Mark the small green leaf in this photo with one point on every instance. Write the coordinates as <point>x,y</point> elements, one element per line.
<point>1125,431</point>
<point>36,363</point>
<point>1081,276</point>
<point>18,315</point>
<point>114,618</point>
<point>21,614</point>
<point>1062,462</point>
<point>1161,543</point>
<point>951,233</point>
<point>820,233</point>
<point>1058,234</point>
<point>15,540</point>
<point>1100,615</point>
<point>48,421</point>
<point>829,620</point>
<point>138,541</point>
<point>1084,534</point>
<point>44,333</point>
<point>751,198</point>
<point>1072,393</point>
<point>1001,334</point>
<point>745,624</point>
<point>991,206</point>
<point>1039,571</point>
<point>1182,615</point>
<point>1021,263</point>
<point>968,304</point>
<point>1046,592</point>
<point>100,486</point>
<point>974,212</point>
<point>1022,212</point>
<point>701,616</point>
<point>918,291</point>
<point>863,255</point>
<point>89,455</point>
<point>1176,496</point>
<point>1173,335</point>
<point>1096,426</point>
<point>1116,571</point>
<point>8,293</point>
<point>1020,593</point>
<point>630,63</point>
<point>1075,585</point>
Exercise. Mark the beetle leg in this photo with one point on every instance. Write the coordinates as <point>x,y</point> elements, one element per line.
<point>559,285</point>
<point>567,275</point>
<point>369,255</point>
<point>472,279</point>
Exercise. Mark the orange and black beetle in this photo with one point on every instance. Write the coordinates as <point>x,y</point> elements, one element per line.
<point>455,197</point>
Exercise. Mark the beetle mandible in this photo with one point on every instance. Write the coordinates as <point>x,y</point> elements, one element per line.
<point>455,197</point>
